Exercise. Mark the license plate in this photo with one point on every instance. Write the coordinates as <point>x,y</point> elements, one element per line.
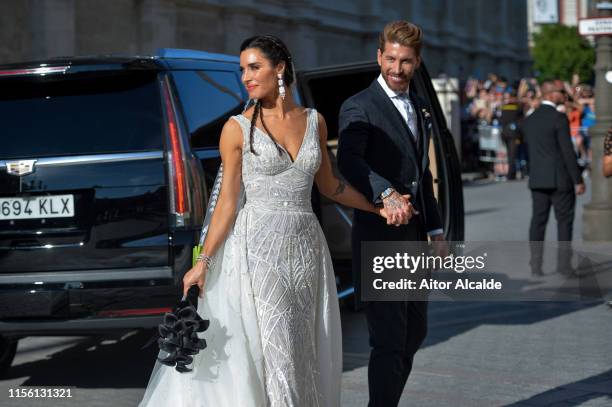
<point>37,207</point>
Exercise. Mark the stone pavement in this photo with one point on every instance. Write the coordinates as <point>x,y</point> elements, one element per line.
<point>499,354</point>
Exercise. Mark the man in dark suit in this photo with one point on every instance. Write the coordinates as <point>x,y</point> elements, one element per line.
<point>383,146</point>
<point>554,176</point>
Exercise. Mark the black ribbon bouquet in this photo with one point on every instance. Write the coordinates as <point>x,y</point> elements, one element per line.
<point>177,334</point>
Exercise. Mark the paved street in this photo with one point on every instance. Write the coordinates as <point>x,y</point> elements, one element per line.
<point>500,354</point>
<point>476,354</point>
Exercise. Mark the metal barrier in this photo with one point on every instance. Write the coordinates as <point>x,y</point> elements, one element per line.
<point>491,145</point>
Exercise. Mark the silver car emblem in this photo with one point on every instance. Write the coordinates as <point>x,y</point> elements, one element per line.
<point>20,168</point>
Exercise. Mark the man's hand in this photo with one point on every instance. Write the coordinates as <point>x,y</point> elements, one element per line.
<point>580,188</point>
<point>398,209</point>
<point>440,246</point>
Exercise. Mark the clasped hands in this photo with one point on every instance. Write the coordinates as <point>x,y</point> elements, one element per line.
<point>397,209</point>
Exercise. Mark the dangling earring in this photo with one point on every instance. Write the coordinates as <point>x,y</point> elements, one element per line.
<point>281,86</point>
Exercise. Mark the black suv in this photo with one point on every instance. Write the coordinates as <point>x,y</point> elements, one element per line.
<point>105,166</point>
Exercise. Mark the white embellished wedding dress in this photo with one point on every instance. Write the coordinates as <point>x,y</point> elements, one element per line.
<point>274,337</point>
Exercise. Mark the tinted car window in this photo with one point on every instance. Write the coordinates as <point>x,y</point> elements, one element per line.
<point>329,92</point>
<point>208,98</point>
<point>80,115</point>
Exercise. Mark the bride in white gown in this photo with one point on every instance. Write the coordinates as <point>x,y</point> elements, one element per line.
<point>269,292</point>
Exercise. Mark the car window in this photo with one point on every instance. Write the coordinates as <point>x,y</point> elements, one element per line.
<point>208,98</point>
<point>80,115</point>
<point>327,93</point>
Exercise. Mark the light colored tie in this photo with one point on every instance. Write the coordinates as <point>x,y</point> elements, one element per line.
<point>411,116</point>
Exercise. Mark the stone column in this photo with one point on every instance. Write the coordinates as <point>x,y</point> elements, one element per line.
<point>448,36</point>
<point>52,24</point>
<point>373,25</point>
<point>157,25</point>
<point>242,25</point>
<point>597,218</point>
<point>477,34</point>
<point>15,32</point>
<point>504,16</point>
<point>303,44</point>
<point>302,34</point>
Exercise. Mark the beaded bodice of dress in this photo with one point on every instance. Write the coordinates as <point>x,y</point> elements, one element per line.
<point>272,180</point>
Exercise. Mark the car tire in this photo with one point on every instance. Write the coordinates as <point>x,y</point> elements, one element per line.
<point>8,348</point>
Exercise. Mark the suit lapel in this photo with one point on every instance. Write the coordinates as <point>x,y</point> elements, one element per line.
<point>390,111</point>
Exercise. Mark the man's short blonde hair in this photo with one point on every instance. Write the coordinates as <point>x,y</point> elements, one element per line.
<point>403,33</point>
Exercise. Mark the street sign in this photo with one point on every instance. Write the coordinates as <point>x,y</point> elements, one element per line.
<point>595,26</point>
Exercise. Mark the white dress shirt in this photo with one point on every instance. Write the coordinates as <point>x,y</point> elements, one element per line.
<point>401,100</point>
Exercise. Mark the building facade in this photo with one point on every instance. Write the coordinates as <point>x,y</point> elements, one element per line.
<point>471,37</point>
<point>566,12</point>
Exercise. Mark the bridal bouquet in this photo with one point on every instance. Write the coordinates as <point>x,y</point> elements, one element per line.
<point>178,332</point>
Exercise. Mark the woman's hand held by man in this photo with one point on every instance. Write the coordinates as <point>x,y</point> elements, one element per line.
<point>398,209</point>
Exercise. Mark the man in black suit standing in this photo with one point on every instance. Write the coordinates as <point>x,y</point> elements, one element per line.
<point>554,176</point>
<point>383,146</point>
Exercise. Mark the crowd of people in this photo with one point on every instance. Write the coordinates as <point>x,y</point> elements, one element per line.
<point>493,110</point>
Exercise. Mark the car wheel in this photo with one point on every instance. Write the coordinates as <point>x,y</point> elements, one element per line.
<point>8,348</point>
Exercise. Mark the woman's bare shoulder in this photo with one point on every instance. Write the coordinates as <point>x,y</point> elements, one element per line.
<point>231,134</point>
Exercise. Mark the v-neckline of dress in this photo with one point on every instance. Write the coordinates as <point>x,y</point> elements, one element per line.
<point>297,155</point>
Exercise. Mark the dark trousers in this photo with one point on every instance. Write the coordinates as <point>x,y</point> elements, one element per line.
<point>511,149</point>
<point>564,203</point>
<point>397,328</point>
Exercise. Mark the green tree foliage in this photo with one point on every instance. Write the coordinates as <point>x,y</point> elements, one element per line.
<point>559,51</point>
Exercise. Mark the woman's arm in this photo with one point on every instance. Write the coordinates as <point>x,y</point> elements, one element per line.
<point>607,158</point>
<point>224,215</point>
<point>607,166</point>
<point>333,188</point>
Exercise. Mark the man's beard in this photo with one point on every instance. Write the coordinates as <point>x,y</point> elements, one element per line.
<point>397,87</point>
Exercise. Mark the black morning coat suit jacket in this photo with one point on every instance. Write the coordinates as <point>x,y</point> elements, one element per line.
<point>552,159</point>
<point>376,151</point>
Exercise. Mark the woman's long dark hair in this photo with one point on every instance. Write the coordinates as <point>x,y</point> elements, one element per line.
<point>276,51</point>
